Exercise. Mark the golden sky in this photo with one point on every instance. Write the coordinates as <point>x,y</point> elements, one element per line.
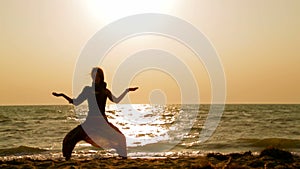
<point>258,43</point>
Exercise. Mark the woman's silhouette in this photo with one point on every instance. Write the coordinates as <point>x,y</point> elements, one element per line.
<point>96,129</point>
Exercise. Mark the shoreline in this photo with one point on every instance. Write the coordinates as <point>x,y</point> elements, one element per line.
<point>268,158</point>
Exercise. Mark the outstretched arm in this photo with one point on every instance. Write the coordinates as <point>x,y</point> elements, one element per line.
<point>64,96</point>
<point>118,99</point>
<point>76,101</point>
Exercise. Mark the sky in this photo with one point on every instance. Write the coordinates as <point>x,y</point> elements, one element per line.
<point>258,44</point>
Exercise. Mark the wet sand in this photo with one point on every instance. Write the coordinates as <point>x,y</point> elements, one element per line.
<point>268,158</point>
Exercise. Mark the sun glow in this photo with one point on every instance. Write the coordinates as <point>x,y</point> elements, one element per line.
<point>108,11</point>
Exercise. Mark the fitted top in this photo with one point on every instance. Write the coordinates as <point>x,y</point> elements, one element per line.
<point>96,96</point>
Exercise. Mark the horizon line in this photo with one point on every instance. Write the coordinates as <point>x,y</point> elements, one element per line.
<point>232,103</point>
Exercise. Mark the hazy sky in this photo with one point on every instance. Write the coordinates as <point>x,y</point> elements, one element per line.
<point>258,43</point>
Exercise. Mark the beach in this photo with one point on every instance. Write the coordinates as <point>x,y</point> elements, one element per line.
<point>268,158</point>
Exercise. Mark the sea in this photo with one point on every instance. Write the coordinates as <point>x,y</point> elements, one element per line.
<point>152,130</point>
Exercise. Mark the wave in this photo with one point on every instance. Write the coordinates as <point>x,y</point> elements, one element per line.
<point>272,142</point>
<point>242,145</point>
<point>21,150</point>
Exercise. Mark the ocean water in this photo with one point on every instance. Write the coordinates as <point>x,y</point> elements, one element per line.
<point>151,130</point>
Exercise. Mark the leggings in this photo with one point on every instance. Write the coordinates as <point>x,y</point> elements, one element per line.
<point>78,134</point>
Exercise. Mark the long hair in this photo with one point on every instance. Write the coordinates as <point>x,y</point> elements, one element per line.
<point>98,73</point>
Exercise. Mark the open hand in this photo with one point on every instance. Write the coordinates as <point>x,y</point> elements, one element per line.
<point>57,94</point>
<point>132,89</point>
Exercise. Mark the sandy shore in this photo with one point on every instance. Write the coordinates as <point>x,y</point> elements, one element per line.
<point>268,158</point>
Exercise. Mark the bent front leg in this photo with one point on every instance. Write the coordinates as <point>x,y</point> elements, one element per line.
<point>71,139</point>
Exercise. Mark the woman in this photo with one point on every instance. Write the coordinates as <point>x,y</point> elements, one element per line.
<point>96,129</point>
